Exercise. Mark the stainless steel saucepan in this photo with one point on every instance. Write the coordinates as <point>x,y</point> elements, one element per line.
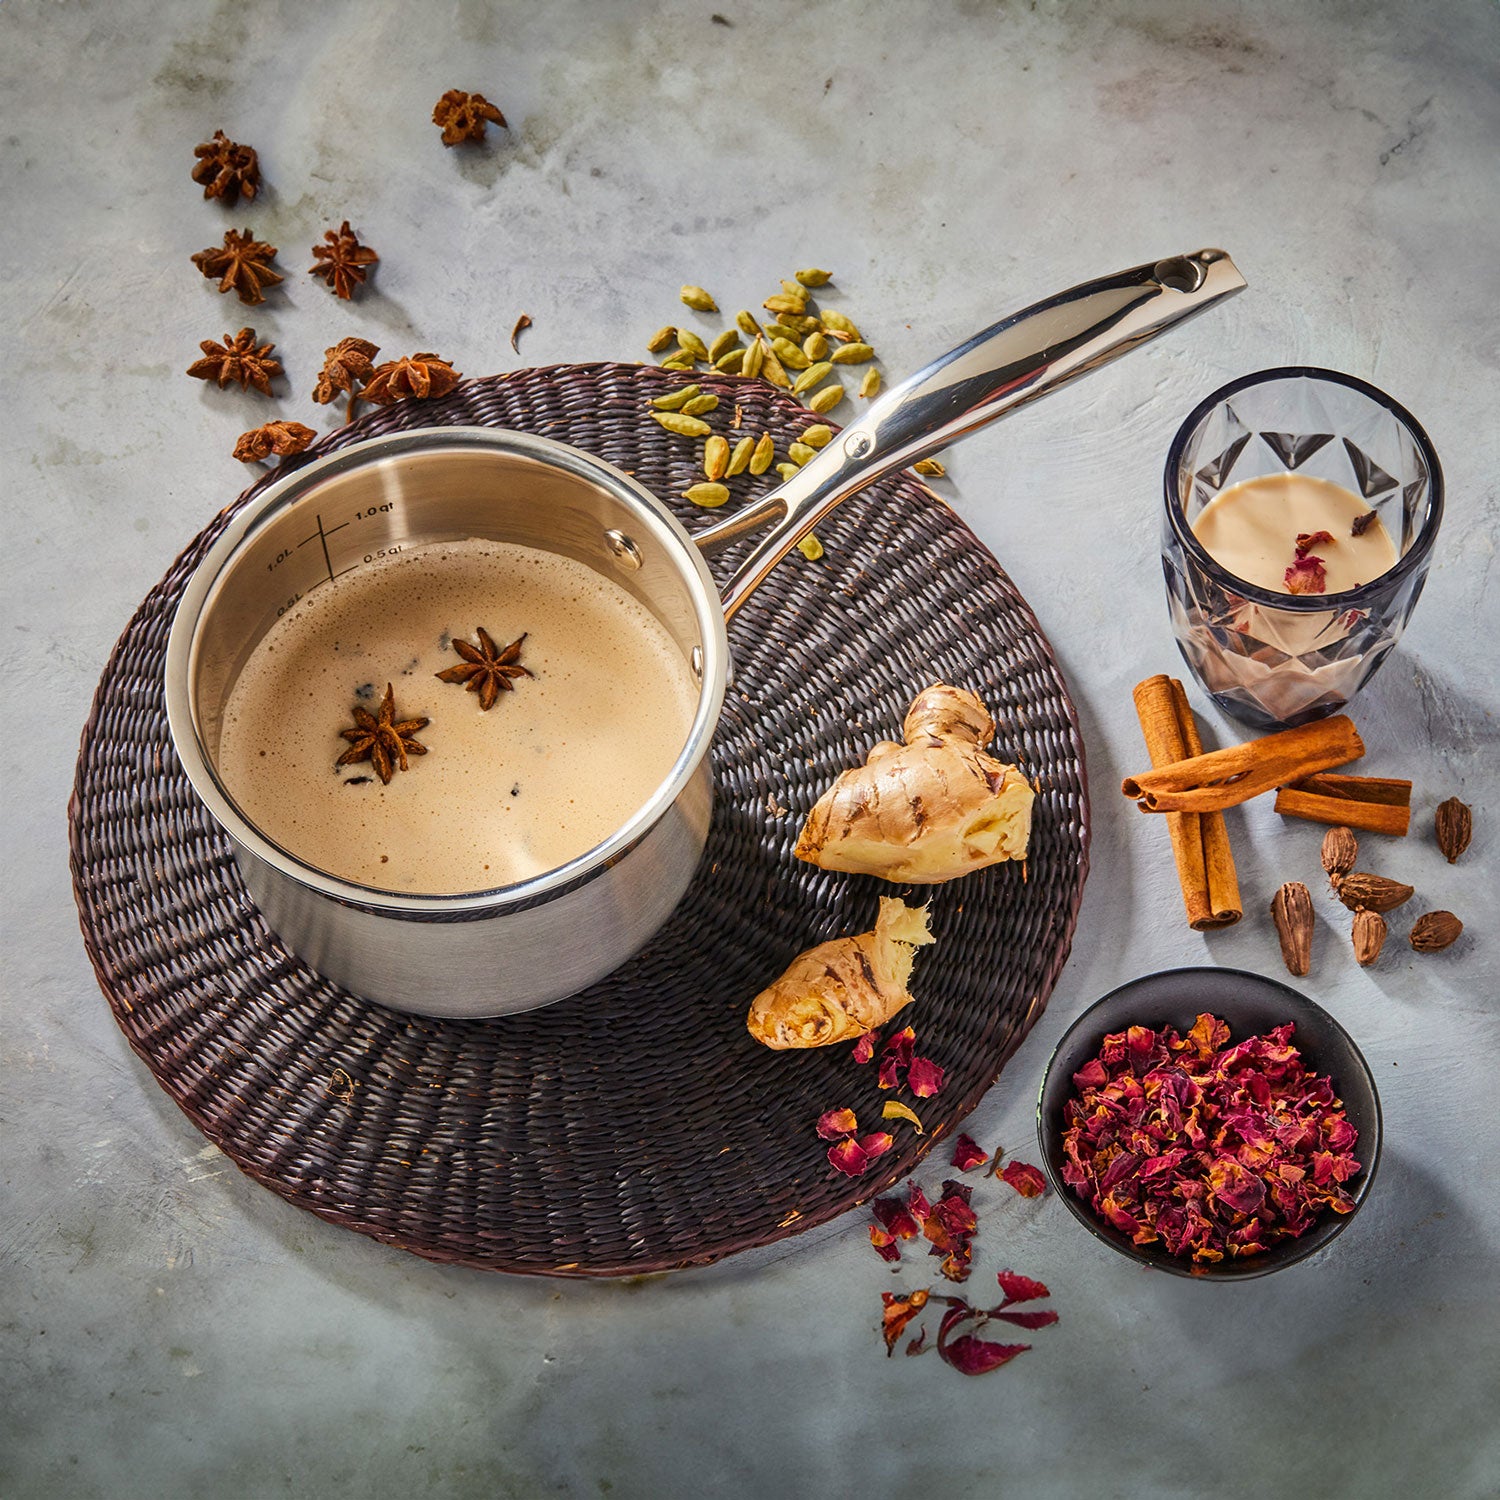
<point>489,953</point>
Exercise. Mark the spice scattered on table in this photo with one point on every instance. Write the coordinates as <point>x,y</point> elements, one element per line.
<point>281,438</point>
<point>242,264</point>
<point>238,358</point>
<point>419,377</point>
<point>1209,1148</point>
<point>226,169</point>
<point>465,117</point>
<point>1026,1179</point>
<point>522,324</point>
<point>1434,931</point>
<point>1372,804</point>
<point>346,366</point>
<point>341,260</point>
<point>1292,912</point>
<point>968,1153</point>
<point>1453,823</point>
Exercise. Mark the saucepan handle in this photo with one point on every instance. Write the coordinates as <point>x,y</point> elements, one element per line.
<point>1018,359</point>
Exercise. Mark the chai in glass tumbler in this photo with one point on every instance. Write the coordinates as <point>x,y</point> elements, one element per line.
<point>1267,656</point>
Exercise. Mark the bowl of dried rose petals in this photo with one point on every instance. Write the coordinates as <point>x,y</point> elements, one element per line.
<point>1209,1122</point>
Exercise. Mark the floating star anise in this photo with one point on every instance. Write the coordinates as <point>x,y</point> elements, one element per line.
<point>463,116</point>
<point>272,437</point>
<point>239,358</point>
<point>344,366</point>
<point>485,668</point>
<point>243,265</point>
<point>226,169</point>
<point>422,376</point>
<point>382,741</point>
<point>341,260</point>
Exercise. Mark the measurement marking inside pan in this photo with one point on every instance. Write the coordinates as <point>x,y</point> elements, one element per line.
<point>321,536</point>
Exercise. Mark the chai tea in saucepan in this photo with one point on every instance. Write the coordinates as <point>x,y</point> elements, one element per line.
<point>561,759</point>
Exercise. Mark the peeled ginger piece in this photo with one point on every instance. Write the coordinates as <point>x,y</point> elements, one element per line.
<point>841,989</point>
<point>927,811</point>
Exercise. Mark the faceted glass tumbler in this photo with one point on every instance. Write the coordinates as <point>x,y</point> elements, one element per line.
<point>1272,659</point>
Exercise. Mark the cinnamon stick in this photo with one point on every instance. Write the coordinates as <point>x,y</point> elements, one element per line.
<point>1200,842</point>
<point>1225,778</point>
<point>1373,804</point>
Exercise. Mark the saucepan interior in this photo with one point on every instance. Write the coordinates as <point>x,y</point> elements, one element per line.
<point>411,489</point>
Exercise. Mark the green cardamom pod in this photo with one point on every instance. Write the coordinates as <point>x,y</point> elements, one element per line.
<point>810,547</point>
<point>785,302</point>
<point>839,323</point>
<point>676,400</point>
<point>661,338</point>
<point>700,404</point>
<point>789,354</point>
<point>853,354</point>
<point>793,288</point>
<point>675,421</point>
<point>800,453</point>
<point>826,399</point>
<point>814,277</point>
<point>870,385</point>
<point>726,341</point>
<point>690,343</point>
<point>716,457</point>
<point>930,466</point>
<point>815,345</point>
<point>679,361</point>
<point>818,436</point>
<point>730,363</point>
<point>812,375</point>
<point>739,460</point>
<point>755,354</point>
<point>773,371</point>
<point>765,451</point>
<point>710,496</point>
<point>786,470</point>
<point>697,298</point>
<point>801,324</point>
<point>748,326</point>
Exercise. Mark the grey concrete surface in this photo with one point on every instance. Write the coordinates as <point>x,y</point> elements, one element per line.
<point>172,1329</point>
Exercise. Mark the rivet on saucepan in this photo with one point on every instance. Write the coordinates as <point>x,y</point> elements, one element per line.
<point>627,554</point>
<point>695,661</point>
<point>858,445</point>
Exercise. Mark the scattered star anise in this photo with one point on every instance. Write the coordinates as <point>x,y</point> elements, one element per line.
<point>243,264</point>
<point>422,376</point>
<point>463,116</point>
<point>384,742</point>
<point>341,260</point>
<point>238,358</point>
<point>485,668</point>
<point>226,169</point>
<point>272,437</point>
<point>349,362</point>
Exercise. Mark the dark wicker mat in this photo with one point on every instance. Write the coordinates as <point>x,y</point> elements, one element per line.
<point>635,1127</point>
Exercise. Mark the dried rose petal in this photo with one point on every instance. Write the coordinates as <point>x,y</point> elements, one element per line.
<point>970,1355</point>
<point>1307,576</point>
<point>864,1048</point>
<point>894,1109</point>
<point>1041,1318</point>
<point>916,1201</point>
<point>1018,1288</point>
<point>885,1243</point>
<point>876,1144</point>
<point>899,1311</point>
<point>1025,1179</point>
<point>925,1077</point>
<point>848,1157</point>
<point>966,1153</point>
<point>919,1344</point>
<point>836,1123</point>
<point>896,1217</point>
<point>899,1046</point>
<point>1307,540</point>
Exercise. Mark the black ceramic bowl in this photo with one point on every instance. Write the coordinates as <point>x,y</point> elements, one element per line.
<point>1251,1005</point>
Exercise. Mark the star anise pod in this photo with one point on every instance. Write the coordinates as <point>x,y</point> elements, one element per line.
<point>485,668</point>
<point>341,260</point>
<point>226,169</point>
<point>463,116</point>
<point>382,741</point>
<point>349,362</point>
<point>272,437</point>
<point>243,264</point>
<point>238,358</point>
<point>422,376</point>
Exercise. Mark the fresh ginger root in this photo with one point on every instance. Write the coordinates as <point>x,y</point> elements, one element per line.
<point>841,989</point>
<point>927,811</point>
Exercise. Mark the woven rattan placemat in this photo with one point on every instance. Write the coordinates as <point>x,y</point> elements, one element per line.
<point>634,1127</point>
